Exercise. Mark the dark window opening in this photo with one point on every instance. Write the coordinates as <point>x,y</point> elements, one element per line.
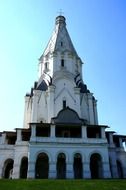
<point>26,135</point>
<point>43,131</point>
<point>46,65</point>
<point>64,104</point>
<point>116,141</point>
<point>61,166</point>
<point>93,132</point>
<point>68,131</point>
<point>42,166</point>
<point>62,62</point>
<point>61,43</point>
<point>96,166</point>
<point>11,138</point>
<point>107,136</point>
<point>24,168</point>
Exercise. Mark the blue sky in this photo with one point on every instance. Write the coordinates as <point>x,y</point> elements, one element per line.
<point>98,31</point>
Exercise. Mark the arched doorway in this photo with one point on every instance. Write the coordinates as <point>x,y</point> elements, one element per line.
<point>8,169</point>
<point>120,169</point>
<point>42,166</point>
<point>61,166</point>
<point>96,166</point>
<point>78,167</point>
<point>24,167</point>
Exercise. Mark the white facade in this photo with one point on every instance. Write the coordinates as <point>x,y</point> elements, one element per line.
<point>61,137</point>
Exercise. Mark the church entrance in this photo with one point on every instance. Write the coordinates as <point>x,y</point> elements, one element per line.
<point>120,169</point>
<point>61,166</point>
<point>78,168</point>
<point>24,167</point>
<point>42,166</point>
<point>96,166</point>
<point>8,169</point>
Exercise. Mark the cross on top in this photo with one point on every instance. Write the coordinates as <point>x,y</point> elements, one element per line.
<point>60,12</point>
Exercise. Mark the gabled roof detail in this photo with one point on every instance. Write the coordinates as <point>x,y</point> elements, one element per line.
<point>60,39</point>
<point>68,116</point>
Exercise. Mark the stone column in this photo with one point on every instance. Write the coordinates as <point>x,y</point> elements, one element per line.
<point>120,142</point>
<point>52,170</point>
<point>52,128</point>
<point>69,170</point>
<point>33,132</point>
<point>86,170</point>
<point>3,140</point>
<point>84,131</point>
<point>19,137</point>
<point>103,133</point>
<point>106,170</point>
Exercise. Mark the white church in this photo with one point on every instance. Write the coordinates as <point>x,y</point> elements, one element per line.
<point>61,137</point>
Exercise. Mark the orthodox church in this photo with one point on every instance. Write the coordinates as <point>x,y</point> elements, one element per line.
<point>61,137</point>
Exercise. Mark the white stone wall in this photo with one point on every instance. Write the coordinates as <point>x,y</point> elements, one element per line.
<point>69,150</point>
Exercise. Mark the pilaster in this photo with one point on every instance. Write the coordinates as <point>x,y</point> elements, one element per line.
<point>52,131</point>
<point>86,170</point>
<point>52,170</point>
<point>103,132</point>
<point>69,170</point>
<point>106,170</point>
<point>19,137</point>
<point>91,110</point>
<point>33,132</point>
<point>31,170</point>
<point>16,169</point>
<point>77,95</point>
<point>51,90</point>
<point>95,112</point>
<point>35,104</point>
<point>84,131</point>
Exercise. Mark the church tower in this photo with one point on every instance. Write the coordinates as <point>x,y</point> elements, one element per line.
<point>61,137</point>
<point>60,85</point>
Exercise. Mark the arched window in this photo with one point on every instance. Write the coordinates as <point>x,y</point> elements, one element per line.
<point>61,44</point>
<point>62,62</point>
<point>46,65</point>
<point>78,167</point>
<point>64,104</point>
<point>120,169</point>
<point>96,166</point>
<point>24,167</point>
<point>61,166</point>
<point>42,166</point>
<point>8,169</point>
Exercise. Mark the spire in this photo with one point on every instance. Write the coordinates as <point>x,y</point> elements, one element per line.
<point>60,39</point>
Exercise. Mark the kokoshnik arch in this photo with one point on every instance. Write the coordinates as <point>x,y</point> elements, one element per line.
<point>61,137</point>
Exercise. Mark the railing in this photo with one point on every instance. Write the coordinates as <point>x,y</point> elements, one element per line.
<point>68,140</point>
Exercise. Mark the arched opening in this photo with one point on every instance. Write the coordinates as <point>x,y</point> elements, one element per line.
<point>120,169</point>
<point>24,167</point>
<point>78,167</point>
<point>110,165</point>
<point>8,169</point>
<point>96,166</point>
<point>42,166</point>
<point>61,166</point>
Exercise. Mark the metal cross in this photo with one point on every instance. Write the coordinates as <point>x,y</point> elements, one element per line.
<point>61,12</point>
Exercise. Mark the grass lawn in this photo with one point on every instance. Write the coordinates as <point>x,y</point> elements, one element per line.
<point>63,184</point>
